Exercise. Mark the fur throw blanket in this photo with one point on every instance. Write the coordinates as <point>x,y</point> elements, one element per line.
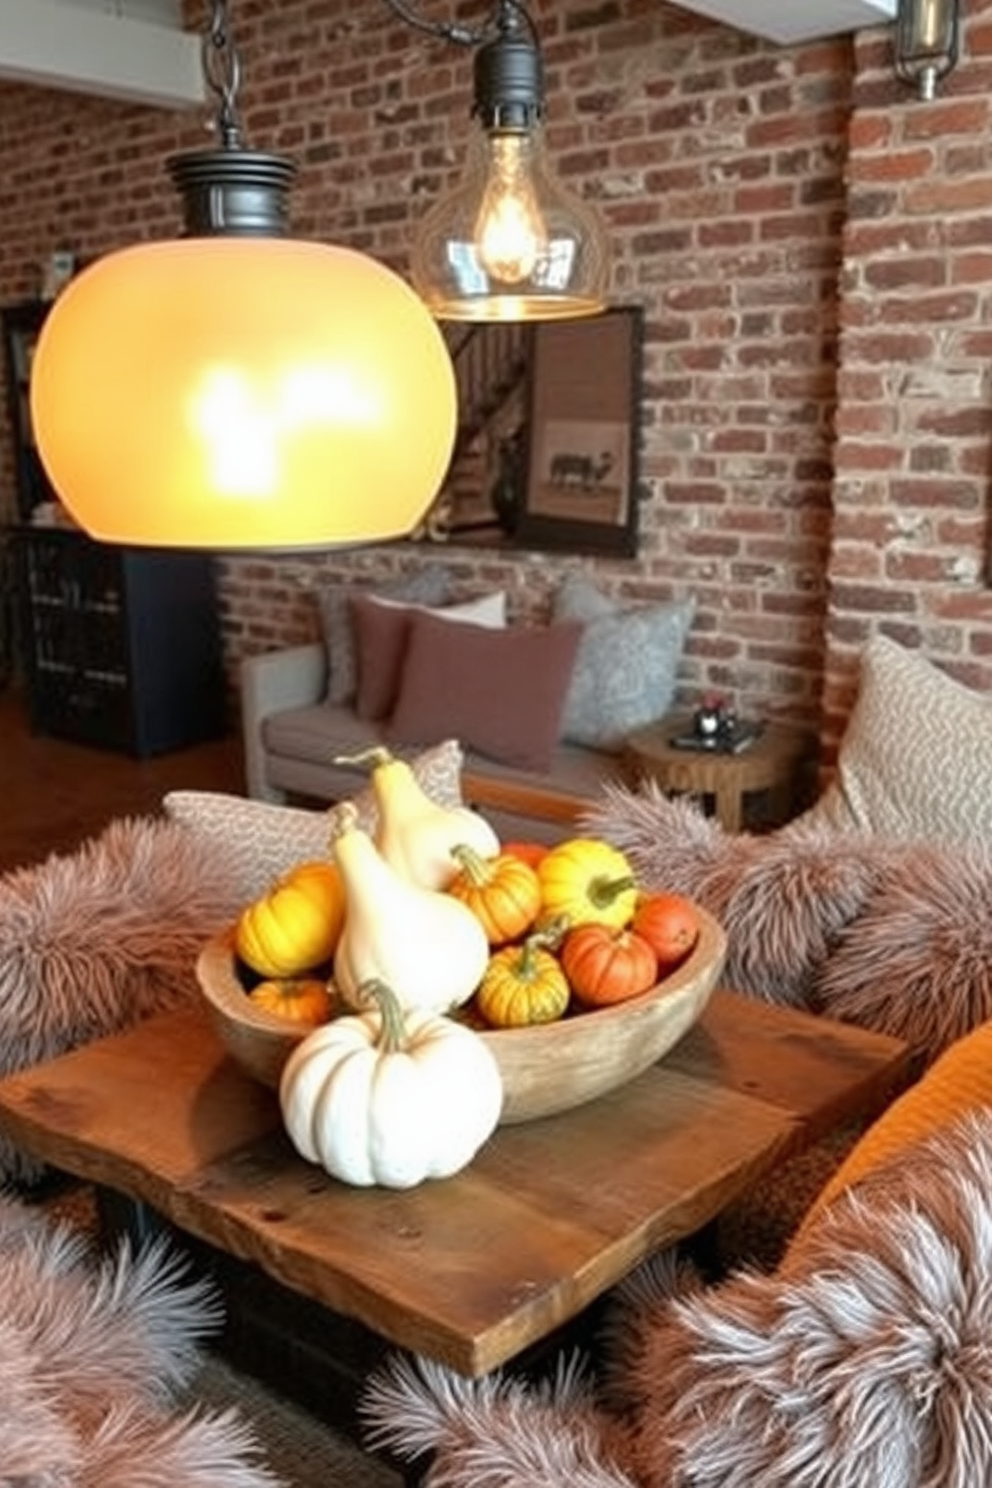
<point>895,936</point>
<point>865,1360</point>
<point>93,940</point>
<point>90,1358</point>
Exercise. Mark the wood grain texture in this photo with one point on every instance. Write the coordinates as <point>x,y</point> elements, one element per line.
<point>545,1068</point>
<point>473,1270</point>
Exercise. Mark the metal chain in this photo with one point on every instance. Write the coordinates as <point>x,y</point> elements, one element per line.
<point>507,16</point>
<point>445,30</point>
<point>222,72</point>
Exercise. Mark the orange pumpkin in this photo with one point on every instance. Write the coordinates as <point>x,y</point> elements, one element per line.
<point>605,966</point>
<point>504,893</point>
<point>670,923</point>
<point>297,999</point>
<point>531,852</point>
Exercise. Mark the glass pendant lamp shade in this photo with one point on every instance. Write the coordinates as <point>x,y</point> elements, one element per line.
<point>242,392</point>
<point>510,242</point>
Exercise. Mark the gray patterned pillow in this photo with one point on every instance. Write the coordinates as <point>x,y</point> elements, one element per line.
<point>428,586</point>
<point>626,669</point>
<point>916,756</point>
<point>261,841</point>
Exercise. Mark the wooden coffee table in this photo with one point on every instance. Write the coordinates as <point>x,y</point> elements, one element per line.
<point>473,1270</point>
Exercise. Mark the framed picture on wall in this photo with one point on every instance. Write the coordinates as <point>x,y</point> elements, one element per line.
<point>580,487</point>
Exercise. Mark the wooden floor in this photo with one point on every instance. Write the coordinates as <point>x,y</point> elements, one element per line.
<point>53,793</point>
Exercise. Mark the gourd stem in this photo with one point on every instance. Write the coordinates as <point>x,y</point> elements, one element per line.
<point>601,892</point>
<point>376,993</point>
<point>376,756</point>
<point>544,939</point>
<point>478,872</point>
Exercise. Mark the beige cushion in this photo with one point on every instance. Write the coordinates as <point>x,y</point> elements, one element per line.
<point>261,841</point>
<point>916,756</point>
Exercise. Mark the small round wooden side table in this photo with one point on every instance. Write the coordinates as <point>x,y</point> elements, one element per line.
<point>772,762</point>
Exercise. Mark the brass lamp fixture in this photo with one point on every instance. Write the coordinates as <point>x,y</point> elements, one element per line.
<point>926,42</point>
<point>510,242</point>
<point>236,388</point>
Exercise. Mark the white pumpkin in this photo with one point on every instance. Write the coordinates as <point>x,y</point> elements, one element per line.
<point>390,1098</point>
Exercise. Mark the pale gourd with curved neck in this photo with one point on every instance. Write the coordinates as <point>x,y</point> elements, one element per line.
<point>417,835</point>
<point>426,946</point>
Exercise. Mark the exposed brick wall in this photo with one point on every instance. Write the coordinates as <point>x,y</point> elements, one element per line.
<point>758,198</point>
<point>910,542</point>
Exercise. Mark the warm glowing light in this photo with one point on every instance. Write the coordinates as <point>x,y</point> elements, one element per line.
<point>510,230</point>
<point>509,242</point>
<point>237,392</point>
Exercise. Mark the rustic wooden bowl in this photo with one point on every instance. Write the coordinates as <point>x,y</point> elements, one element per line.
<point>545,1069</point>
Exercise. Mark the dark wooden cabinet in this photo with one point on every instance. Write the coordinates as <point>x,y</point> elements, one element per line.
<point>21,324</point>
<point>120,646</point>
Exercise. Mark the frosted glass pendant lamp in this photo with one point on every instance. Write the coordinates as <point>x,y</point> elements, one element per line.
<point>238,388</point>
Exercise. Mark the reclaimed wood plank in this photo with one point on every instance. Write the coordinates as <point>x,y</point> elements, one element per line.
<point>474,1270</point>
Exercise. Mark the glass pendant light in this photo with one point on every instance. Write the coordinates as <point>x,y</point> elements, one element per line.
<point>510,242</point>
<point>237,388</point>
<point>926,43</point>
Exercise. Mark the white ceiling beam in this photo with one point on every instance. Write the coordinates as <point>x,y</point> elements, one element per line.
<point>790,21</point>
<point>65,44</point>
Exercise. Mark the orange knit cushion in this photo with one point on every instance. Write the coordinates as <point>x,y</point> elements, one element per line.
<point>959,1081</point>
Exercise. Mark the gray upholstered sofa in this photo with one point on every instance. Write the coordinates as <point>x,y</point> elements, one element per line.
<point>541,711</point>
<point>292,738</point>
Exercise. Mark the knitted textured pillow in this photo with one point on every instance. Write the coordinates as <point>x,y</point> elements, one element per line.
<point>916,757</point>
<point>260,841</point>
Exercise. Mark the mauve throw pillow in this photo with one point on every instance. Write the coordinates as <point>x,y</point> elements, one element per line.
<point>627,665</point>
<point>429,586</point>
<point>382,630</point>
<point>500,692</point>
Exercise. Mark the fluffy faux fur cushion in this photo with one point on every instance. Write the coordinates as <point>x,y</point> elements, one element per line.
<point>892,935</point>
<point>94,940</point>
<point>868,1352</point>
<point>783,899</point>
<point>916,962</point>
<point>866,1361</point>
<point>90,1357</point>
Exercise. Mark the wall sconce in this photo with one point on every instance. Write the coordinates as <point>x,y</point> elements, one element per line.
<point>510,242</point>
<point>237,389</point>
<point>926,42</point>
